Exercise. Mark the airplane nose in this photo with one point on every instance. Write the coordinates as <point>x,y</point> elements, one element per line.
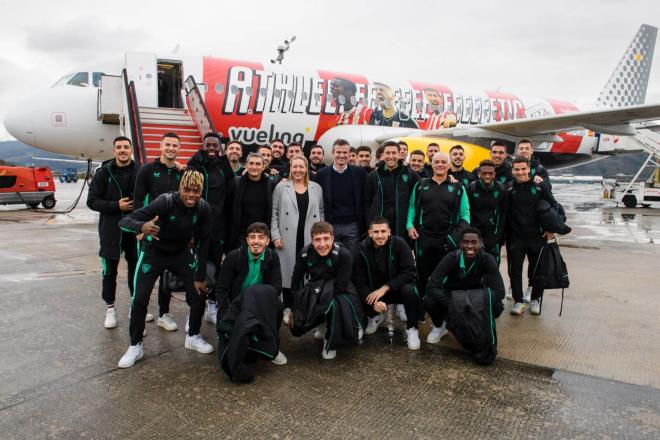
<point>18,122</point>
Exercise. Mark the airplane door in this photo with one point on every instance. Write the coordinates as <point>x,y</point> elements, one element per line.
<point>141,68</point>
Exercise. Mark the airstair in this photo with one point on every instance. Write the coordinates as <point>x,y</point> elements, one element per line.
<point>158,121</point>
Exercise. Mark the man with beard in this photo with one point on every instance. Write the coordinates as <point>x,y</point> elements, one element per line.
<point>294,150</point>
<point>438,118</point>
<point>159,177</point>
<point>387,114</point>
<point>364,158</point>
<point>498,155</point>
<point>266,154</point>
<point>110,194</point>
<point>218,175</point>
<point>457,156</point>
<point>343,92</point>
<point>234,152</point>
<point>316,156</point>
<point>278,160</point>
<point>416,163</point>
<point>431,149</point>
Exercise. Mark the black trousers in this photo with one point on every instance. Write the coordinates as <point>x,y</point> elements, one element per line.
<point>428,253</point>
<point>407,296</point>
<point>517,250</point>
<point>494,250</point>
<point>149,268</point>
<point>436,303</point>
<point>164,294</point>
<point>109,274</point>
<point>216,250</point>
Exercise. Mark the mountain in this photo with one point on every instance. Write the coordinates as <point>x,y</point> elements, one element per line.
<point>17,153</point>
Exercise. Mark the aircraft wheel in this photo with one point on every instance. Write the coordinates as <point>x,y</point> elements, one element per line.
<point>629,200</point>
<point>48,202</point>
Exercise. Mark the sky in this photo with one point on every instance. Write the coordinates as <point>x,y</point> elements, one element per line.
<point>561,49</point>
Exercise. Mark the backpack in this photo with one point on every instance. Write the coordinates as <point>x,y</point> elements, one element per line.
<point>550,271</point>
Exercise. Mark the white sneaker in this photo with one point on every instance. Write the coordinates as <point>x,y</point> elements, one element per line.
<point>360,334</point>
<point>436,334</point>
<point>280,359</point>
<point>535,307</point>
<point>132,355</point>
<point>412,336</point>
<point>527,296</point>
<point>509,293</point>
<point>167,322</point>
<point>198,344</point>
<point>374,323</point>
<point>328,354</point>
<point>110,318</point>
<point>319,333</point>
<point>149,317</point>
<point>401,312</point>
<point>187,324</point>
<point>211,314</point>
<point>286,315</point>
<point>518,309</point>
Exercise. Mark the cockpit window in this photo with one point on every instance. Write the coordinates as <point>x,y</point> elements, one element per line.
<point>96,78</point>
<point>62,80</point>
<point>79,79</point>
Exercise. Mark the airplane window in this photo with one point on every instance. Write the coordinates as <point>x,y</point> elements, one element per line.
<point>62,80</point>
<point>96,78</point>
<point>79,79</point>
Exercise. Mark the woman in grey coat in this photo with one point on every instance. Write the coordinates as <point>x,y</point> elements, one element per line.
<point>297,205</point>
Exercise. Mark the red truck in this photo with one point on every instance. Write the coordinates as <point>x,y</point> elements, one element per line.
<point>27,185</point>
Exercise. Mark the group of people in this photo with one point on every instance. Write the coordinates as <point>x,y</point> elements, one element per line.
<point>340,248</point>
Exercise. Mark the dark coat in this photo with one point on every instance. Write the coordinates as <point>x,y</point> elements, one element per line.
<point>111,183</point>
<point>268,185</point>
<point>359,176</point>
<point>249,330</point>
<point>235,268</point>
<point>471,320</point>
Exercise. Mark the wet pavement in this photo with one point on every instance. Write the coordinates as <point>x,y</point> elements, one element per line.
<point>593,373</point>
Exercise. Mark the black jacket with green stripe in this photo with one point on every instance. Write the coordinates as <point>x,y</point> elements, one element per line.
<point>155,179</point>
<point>111,183</point>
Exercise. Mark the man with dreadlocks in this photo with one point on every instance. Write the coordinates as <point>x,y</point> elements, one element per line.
<point>173,221</point>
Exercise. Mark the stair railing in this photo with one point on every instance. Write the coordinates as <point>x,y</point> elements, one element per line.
<point>197,108</point>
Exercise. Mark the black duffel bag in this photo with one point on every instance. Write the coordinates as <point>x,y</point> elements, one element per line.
<point>550,271</point>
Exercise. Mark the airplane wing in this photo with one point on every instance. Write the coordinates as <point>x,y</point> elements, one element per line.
<point>615,121</point>
<point>76,161</point>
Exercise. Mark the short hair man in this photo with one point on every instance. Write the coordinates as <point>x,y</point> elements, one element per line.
<point>316,156</point>
<point>388,189</point>
<point>251,265</point>
<point>498,154</point>
<point>438,211</point>
<point>278,150</point>
<point>322,260</point>
<point>352,157</point>
<point>218,172</point>
<point>466,268</point>
<point>111,195</point>
<point>437,117</point>
<point>536,171</point>
<point>234,152</point>
<point>416,162</point>
<point>388,114</point>
<point>343,194</point>
<point>526,236</point>
<point>457,156</point>
<point>294,150</point>
<point>489,207</point>
<point>349,110</point>
<point>171,221</point>
<point>431,149</point>
<point>159,177</point>
<point>252,200</point>
<point>364,158</point>
<point>385,274</point>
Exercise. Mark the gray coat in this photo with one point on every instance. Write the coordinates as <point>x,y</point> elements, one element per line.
<point>284,222</point>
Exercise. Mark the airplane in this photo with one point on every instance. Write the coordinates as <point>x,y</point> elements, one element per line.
<point>255,103</point>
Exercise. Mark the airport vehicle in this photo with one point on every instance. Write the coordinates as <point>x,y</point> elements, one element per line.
<point>255,103</point>
<point>68,175</point>
<point>27,185</point>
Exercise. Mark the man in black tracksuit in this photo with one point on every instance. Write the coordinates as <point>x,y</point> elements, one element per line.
<point>218,176</point>
<point>536,171</point>
<point>457,157</point>
<point>466,268</point>
<point>525,237</point>
<point>111,194</point>
<point>248,265</point>
<point>498,154</point>
<point>159,177</point>
<point>489,204</point>
<point>252,199</point>
<point>173,221</point>
<point>438,210</point>
<point>385,274</point>
<point>388,190</point>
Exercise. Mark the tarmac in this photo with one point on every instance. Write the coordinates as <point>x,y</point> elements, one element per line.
<point>594,372</point>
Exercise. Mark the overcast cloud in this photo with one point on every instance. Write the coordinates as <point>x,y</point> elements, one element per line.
<point>561,49</point>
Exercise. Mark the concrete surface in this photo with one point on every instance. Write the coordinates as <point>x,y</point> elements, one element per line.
<point>593,373</point>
